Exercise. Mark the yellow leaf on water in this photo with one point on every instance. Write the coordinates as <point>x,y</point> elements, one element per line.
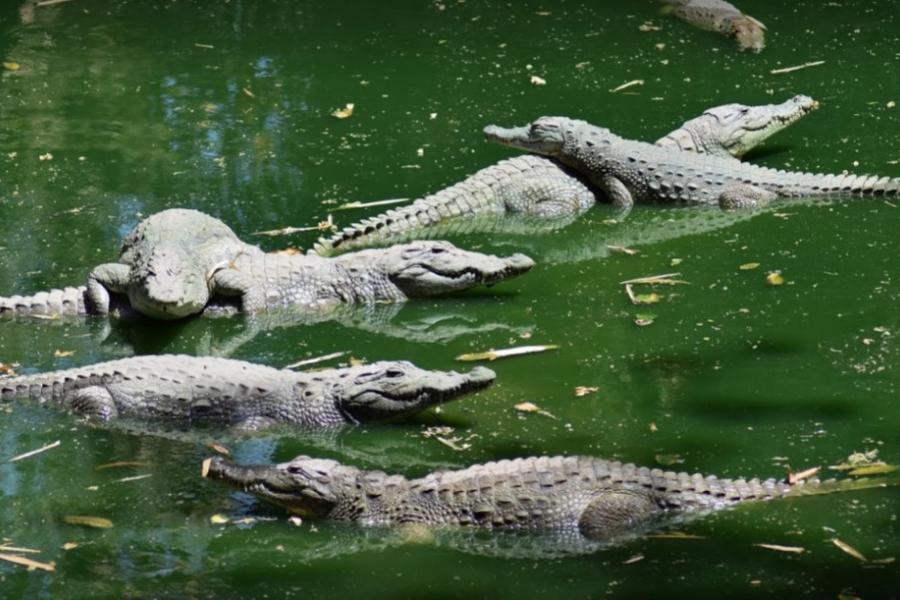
<point>63,353</point>
<point>343,113</point>
<point>876,469</point>
<point>535,80</point>
<point>12,66</point>
<point>774,278</point>
<point>69,546</point>
<point>530,407</point>
<point>848,549</point>
<point>584,390</point>
<point>218,519</point>
<point>95,522</point>
<point>749,266</point>
<point>651,298</point>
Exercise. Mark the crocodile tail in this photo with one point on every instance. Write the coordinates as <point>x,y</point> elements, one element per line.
<point>69,301</point>
<point>845,185</point>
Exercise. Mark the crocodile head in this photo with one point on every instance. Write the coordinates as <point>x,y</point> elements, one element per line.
<point>165,284</point>
<point>389,389</point>
<point>739,128</point>
<point>550,136</point>
<point>428,268</point>
<point>309,487</point>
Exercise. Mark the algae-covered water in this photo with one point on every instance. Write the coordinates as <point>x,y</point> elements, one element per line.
<point>111,110</point>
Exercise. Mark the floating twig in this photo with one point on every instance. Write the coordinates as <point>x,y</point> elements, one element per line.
<point>121,463</point>
<point>351,205</point>
<point>317,359</point>
<point>325,225</point>
<point>495,354</point>
<point>27,562</point>
<point>95,522</point>
<point>134,478</point>
<point>627,85</point>
<point>19,550</point>
<point>51,2</point>
<point>815,63</point>
<point>780,548</point>
<point>849,549</point>
<point>34,452</point>
<point>664,279</point>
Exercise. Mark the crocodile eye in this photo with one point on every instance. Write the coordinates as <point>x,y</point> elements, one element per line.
<point>295,470</point>
<point>392,373</point>
<point>437,250</point>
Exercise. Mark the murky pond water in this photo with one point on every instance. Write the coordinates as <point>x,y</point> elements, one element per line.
<point>111,110</point>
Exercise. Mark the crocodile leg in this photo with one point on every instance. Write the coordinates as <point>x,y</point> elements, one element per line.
<point>231,282</point>
<point>745,196</point>
<point>94,401</point>
<point>618,194</point>
<point>614,512</point>
<point>103,279</point>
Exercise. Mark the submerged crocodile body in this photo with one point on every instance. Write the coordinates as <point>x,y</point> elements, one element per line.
<point>724,18</point>
<point>270,282</point>
<point>595,498</point>
<point>628,171</point>
<point>187,390</point>
<point>540,190</point>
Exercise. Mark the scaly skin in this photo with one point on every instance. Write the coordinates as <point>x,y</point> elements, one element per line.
<point>735,129</point>
<point>166,264</point>
<point>417,269</point>
<point>724,18</point>
<point>599,499</point>
<point>628,171</point>
<point>541,191</point>
<point>267,282</point>
<point>187,389</point>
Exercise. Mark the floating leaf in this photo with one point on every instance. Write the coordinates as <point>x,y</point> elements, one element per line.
<point>779,548</point>
<point>633,559</point>
<point>6,369</point>
<point>584,390</point>
<point>848,549</point>
<point>63,353</point>
<point>774,278</point>
<point>535,80</point>
<point>651,298</point>
<point>644,319</point>
<point>749,266</point>
<point>529,407</point>
<point>876,469</point>
<point>95,522</point>
<point>344,113</point>
<point>218,519</point>
<point>667,460</point>
<point>69,546</point>
<point>218,448</point>
<point>623,250</point>
<point>295,521</point>
<point>11,66</point>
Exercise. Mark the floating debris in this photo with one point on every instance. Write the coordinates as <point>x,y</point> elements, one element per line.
<point>34,452</point>
<point>627,85</point>
<point>326,225</point>
<point>664,279</point>
<point>535,80</point>
<point>780,548</point>
<point>352,205</point>
<point>216,447</point>
<point>623,250</point>
<point>27,562</point>
<point>530,407</point>
<point>63,353</point>
<point>794,478</point>
<point>584,390</point>
<point>218,519</point>
<point>774,278</point>
<point>344,113</point>
<point>815,63</point>
<point>749,266</point>
<point>317,359</point>
<point>644,319</point>
<point>845,547</point>
<point>121,463</point>
<point>506,352</point>
<point>86,521</point>
<point>11,66</point>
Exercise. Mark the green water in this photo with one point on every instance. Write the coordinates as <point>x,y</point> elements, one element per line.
<point>225,107</point>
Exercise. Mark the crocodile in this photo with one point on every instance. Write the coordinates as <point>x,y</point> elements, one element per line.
<point>547,193</point>
<point>628,171</point>
<point>724,18</point>
<point>270,281</point>
<point>246,396</point>
<point>596,498</point>
<point>168,264</point>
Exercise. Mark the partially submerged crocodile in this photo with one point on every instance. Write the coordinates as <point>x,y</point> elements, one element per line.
<point>724,18</point>
<point>267,282</point>
<point>595,498</point>
<point>628,171</point>
<point>247,396</point>
<point>168,265</point>
<point>540,189</point>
